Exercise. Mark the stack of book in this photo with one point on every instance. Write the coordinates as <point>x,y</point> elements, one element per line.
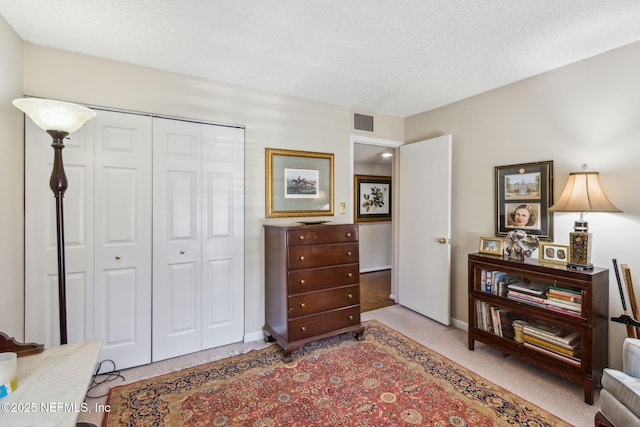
<point>563,300</point>
<point>553,340</point>
<point>531,293</point>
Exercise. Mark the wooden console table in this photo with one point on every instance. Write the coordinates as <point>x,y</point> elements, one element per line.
<point>51,386</point>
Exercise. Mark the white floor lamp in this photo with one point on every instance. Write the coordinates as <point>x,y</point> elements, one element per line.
<point>58,119</point>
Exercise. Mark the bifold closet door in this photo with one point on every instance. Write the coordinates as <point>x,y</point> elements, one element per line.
<point>198,283</point>
<point>122,238</point>
<point>107,211</point>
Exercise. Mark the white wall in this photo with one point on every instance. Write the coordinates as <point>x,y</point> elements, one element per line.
<point>11,177</point>
<point>271,121</point>
<point>376,242</point>
<point>588,112</point>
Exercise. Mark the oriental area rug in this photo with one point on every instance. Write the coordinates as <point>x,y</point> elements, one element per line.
<point>386,379</point>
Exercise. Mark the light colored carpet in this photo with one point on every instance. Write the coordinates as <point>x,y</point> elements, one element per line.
<point>556,395</point>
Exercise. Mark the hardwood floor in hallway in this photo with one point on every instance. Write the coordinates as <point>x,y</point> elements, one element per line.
<point>375,288</point>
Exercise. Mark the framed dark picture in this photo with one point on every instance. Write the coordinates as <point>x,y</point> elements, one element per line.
<point>524,193</point>
<point>372,198</point>
<point>298,183</point>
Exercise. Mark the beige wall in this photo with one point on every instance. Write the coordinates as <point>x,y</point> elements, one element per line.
<point>271,121</point>
<point>588,112</point>
<point>11,177</point>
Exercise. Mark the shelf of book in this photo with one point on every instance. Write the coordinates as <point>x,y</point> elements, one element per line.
<point>564,313</point>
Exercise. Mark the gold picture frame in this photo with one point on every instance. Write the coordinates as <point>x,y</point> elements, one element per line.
<point>298,183</point>
<point>554,253</point>
<point>491,245</point>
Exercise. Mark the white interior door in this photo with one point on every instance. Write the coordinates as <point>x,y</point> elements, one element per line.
<point>424,199</point>
<point>122,285</point>
<point>177,241</point>
<point>223,236</point>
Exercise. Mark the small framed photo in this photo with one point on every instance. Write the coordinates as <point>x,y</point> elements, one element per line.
<point>372,198</point>
<point>556,254</point>
<point>491,245</point>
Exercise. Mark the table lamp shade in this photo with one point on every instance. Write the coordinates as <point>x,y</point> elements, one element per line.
<point>583,193</point>
<point>50,114</point>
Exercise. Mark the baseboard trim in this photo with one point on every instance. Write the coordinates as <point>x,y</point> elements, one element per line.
<point>254,336</point>
<point>372,269</point>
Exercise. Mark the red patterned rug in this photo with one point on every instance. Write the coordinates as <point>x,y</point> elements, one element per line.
<point>385,380</point>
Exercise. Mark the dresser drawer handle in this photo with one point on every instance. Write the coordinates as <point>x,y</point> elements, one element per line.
<point>350,296</point>
<point>350,317</point>
<point>301,305</point>
<point>350,274</point>
<point>349,253</point>
<point>300,237</point>
<point>302,281</point>
<point>303,328</point>
<point>301,258</point>
<point>348,234</point>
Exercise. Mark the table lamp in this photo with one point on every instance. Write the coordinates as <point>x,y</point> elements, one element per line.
<point>58,119</point>
<point>583,193</point>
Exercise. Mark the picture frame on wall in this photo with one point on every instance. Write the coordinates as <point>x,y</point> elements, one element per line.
<point>523,195</point>
<point>372,198</point>
<point>491,245</point>
<point>298,183</point>
<point>554,253</point>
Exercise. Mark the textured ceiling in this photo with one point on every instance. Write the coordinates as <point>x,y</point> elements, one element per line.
<point>393,57</point>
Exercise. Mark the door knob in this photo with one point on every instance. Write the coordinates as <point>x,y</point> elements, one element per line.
<point>442,240</point>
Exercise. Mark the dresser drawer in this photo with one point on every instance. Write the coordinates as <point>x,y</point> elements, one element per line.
<point>321,255</point>
<point>315,279</point>
<point>322,234</point>
<point>315,302</point>
<point>304,327</point>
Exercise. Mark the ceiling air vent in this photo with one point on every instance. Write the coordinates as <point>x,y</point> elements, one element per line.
<point>362,122</point>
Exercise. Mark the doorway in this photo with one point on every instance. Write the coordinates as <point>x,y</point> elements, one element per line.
<point>374,157</point>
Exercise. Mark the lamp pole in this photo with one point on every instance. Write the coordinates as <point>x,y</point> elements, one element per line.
<point>58,184</point>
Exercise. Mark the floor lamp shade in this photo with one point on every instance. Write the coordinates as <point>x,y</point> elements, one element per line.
<point>58,119</point>
<point>583,193</point>
<point>50,114</point>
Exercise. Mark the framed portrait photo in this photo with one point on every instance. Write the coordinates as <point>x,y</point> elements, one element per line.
<point>553,253</point>
<point>298,183</point>
<point>491,245</point>
<point>524,193</point>
<point>372,198</point>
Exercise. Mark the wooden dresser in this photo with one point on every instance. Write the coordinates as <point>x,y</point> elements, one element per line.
<point>312,276</point>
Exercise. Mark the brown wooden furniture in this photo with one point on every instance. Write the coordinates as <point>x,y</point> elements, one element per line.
<point>9,344</point>
<point>591,322</point>
<point>311,283</point>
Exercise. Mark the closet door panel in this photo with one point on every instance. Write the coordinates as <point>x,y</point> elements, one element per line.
<point>177,251</point>
<point>223,236</point>
<point>122,307</point>
<point>41,268</point>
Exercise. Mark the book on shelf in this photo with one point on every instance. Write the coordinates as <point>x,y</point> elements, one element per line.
<point>565,304</point>
<point>494,282</point>
<point>553,333</point>
<point>564,297</point>
<point>526,297</point>
<point>566,291</point>
<point>572,360</point>
<point>550,346</point>
<point>536,289</point>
